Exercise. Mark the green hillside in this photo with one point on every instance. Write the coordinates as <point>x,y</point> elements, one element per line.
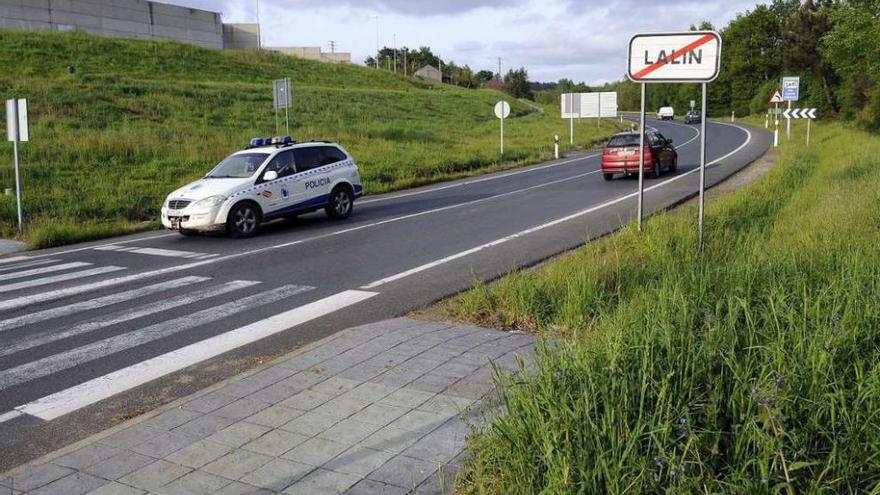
<point>140,118</point>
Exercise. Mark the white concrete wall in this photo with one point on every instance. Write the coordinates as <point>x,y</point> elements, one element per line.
<point>126,18</point>
<point>241,36</point>
<point>312,53</point>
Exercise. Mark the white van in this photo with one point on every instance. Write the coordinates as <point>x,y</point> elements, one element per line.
<point>666,113</point>
<point>272,178</point>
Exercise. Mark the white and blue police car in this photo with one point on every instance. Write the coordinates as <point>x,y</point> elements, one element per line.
<point>271,178</point>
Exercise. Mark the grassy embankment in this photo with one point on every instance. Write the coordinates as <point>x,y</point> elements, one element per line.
<point>751,367</point>
<point>140,118</point>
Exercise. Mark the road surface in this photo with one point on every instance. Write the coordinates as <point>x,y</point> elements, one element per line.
<point>99,332</point>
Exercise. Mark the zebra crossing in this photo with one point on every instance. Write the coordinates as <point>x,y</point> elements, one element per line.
<point>64,318</point>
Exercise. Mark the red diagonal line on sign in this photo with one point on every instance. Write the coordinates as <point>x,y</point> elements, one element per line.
<point>676,54</point>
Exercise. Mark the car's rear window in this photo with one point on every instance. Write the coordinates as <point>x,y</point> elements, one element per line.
<point>623,141</point>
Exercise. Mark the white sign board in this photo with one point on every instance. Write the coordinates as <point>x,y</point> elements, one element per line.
<point>502,110</point>
<point>589,105</point>
<point>22,124</point>
<point>791,88</point>
<point>693,56</point>
<point>281,97</point>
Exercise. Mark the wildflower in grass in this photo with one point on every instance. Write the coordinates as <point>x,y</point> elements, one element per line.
<point>835,320</point>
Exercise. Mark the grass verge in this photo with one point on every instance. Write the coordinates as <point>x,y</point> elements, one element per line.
<point>750,367</point>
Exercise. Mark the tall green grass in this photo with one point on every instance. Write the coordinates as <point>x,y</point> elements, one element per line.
<point>141,118</point>
<point>750,367</point>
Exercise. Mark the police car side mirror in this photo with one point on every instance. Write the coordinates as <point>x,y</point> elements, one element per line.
<point>270,175</point>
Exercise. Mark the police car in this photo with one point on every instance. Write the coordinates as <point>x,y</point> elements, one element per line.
<point>271,178</point>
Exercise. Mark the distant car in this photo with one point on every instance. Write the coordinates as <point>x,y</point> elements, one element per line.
<point>666,113</point>
<point>693,117</point>
<point>271,178</point>
<point>621,154</point>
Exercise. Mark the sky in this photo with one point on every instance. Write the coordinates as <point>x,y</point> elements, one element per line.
<point>553,39</point>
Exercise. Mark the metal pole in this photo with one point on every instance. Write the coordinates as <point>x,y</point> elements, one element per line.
<point>276,119</point>
<point>788,123</point>
<point>642,159</point>
<point>808,130</point>
<point>702,165</point>
<point>287,105</point>
<point>17,170</point>
<point>502,131</point>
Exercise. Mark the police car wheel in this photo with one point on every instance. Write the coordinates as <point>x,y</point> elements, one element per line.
<point>341,203</point>
<point>243,220</point>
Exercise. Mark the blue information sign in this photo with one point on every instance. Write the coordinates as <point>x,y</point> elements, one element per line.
<point>791,88</point>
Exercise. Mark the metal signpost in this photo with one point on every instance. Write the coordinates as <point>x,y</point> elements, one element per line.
<point>686,57</point>
<point>281,98</point>
<point>776,99</point>
<point>502,111</point>
<point>791,91</point>
<point>17,131</point>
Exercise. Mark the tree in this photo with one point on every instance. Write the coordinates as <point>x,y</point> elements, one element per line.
<point>484,76</point>
<point>516,84</point>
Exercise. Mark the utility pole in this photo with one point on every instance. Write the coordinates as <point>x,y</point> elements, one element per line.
<point>395,53</point>
<point>259,28</point>
<point>378,54</point>
<point>405,51</point>
<point>332,46</point>
<point>440,65</point>
<point>500,76</point>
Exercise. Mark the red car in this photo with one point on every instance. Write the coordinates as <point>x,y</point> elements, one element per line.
<point>621,154</point>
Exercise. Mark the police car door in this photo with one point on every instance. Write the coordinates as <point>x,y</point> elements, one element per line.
<point>277,194</point>
<point>311,178</point>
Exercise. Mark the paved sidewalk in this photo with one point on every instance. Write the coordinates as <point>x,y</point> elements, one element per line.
<point>8,246</point>
<point>378,409</point>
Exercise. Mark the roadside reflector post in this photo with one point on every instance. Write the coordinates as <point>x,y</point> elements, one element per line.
<point>776,137</point>
<point>17,131</point>
<point>556,146</point>
<point>733,116</point>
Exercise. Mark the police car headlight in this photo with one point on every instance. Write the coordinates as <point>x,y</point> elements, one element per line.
<point>210,202</point>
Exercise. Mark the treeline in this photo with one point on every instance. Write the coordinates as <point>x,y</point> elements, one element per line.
<point>833,45</point>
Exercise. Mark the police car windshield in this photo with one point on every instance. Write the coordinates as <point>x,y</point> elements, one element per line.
<point>238,166</point>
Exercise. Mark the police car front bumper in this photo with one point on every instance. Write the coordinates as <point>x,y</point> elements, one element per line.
<point>186,220</point>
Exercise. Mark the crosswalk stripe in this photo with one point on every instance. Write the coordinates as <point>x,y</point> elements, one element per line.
<point>169,253</point>
<point>100,302</point>
<point>59,278</point>
<point>14,259</point>
<point>104,321</point>
<point>18,266</point>
<point>97,389</point>
<point>111,345</point>
<point>46,269</point>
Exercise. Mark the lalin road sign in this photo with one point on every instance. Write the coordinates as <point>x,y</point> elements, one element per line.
<point>693,56</point>
<point>791,88</point>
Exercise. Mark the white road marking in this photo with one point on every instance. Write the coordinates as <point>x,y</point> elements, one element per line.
<point>88,248</point>
<point>16,258</point>
<point>19,266</point>
<point>59,278</point>
<point>77,397</point>
<point>105,321</point>
<point>168,253</point>
<point>46,269</point>
<point>118,343</point>
<point>8,416</point>
<point>100,302</point>
<point>537,228</point>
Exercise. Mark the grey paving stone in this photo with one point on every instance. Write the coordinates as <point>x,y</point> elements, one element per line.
<point>163,443</point>
<point>407,397</point>
<point>363,371</point>
<point>72,484</point>
<point>309,424</point>
<point>114,488</point>
<point>441,445</point>
<point>394,440</point>
<point>237,464</point>
<point>419,421</point>
<point>238,434</point>
<point>349,431</point>
<point>172,418</point>
<point>370,487</point>
<point>275,443</point>
<point>469,389</point>
<point>241,409</point>
<point>322,481</point>
<point>433,383</point>
<point>455,370</point>
<point>397,378</point>
<point>131,436</point>
<point>330,367</point>
<point>274,416</point>
<point>209,402</point>
<point>447,405</point>
<point>300,381</point>
<point>315,451</point>
<point>119,465</point>
<point>402,471</point>
<point>342,407</point>
<point>278,474</point>
<point>200,453</point>
<point>306,400</point>
<point>359,461</point>
<point>370,390</point>
<point>86,456</point>
<point>203,426</point>
<point>334,386</point>
<point>380,414</point>
<point>194,483</point>
<point>273,394</point>
<point>239,488</point>
<point>38,476</point>
<point>154,476</point>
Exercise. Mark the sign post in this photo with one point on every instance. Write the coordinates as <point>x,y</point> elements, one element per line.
<point>281,98</point>
<point>800,113</point>
<point>776,99</point>
<point>17,131</point>
<point>791,90</point>
<point>686,57</point>
<point>502,111</point>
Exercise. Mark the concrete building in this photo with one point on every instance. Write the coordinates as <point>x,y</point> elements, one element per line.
<point>125,18</point>
<point>312,53</point>
<point>429,72</point>
<point>241,36</point>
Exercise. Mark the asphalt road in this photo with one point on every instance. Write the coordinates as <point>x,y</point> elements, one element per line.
<point>103,331</point>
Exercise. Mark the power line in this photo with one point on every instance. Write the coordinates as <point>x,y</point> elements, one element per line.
<point>332,46</point>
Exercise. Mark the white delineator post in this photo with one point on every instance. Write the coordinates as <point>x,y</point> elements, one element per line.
<point>642,159</point>
<point>556,146</point>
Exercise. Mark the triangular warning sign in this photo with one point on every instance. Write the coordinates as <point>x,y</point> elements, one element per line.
<point>777,98</point>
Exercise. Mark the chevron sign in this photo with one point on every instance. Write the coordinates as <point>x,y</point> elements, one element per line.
<point>799,113</point>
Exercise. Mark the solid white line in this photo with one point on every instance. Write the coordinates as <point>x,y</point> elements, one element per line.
<point>118,343</point>
<point>537,228</point>
<point>100,302</point>
<point>105,321</point>
<point>60,278</point>
<point>8,416</point>
<point>45,269</point>
<point>66,401</point>
<point>19,266</point>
